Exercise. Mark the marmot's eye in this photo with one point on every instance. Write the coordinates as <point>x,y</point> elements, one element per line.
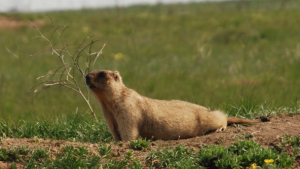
<point>102,74</point>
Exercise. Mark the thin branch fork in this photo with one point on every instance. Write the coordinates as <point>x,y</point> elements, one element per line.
<point>69,69</point>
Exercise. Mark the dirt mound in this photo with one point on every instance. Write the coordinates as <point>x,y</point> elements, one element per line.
<point>13,23</point>
<point>266,133</point>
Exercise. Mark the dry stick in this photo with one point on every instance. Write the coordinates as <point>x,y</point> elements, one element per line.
<point>99,53</point>
<point>78,55</point>
<point>74,83</point>
<point>88,60</point>
<point>15,55</point>
<point>61,39</point>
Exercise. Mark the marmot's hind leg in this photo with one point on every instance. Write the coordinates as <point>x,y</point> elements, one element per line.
<point>223,128</point>
<point>219,120</point>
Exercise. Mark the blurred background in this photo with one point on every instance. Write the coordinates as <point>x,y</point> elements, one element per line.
<point>38,5</point>
<point>239,56</point>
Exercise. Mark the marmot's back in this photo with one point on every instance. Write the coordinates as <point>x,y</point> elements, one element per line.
<point>173,119</point>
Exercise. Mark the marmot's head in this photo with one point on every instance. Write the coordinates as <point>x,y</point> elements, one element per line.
<point>103,80</point>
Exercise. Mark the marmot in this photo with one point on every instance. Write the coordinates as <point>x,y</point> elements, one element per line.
<point>130,115</point>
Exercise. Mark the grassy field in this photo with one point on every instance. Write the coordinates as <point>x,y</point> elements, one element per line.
<point>242,57</point>
<point>242,154</point>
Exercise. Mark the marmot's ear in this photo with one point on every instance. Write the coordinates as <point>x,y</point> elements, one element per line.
<point>117,75</point>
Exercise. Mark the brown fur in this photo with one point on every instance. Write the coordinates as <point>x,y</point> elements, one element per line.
<point>231,120</point>
<point>130,115</point>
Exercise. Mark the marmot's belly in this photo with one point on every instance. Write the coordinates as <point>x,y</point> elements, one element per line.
<point>171,127</point>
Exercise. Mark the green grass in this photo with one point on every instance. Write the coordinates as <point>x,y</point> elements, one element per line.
<point>140,144</point>
<point>242,57</point>
<point>242,154</point>
<point>76,128</point>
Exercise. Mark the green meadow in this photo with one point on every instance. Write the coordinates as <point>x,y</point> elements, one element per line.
<point>241,57</point>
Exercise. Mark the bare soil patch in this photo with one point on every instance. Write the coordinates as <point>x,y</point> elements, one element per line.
<point>265,133</point>
<point>14,23</point>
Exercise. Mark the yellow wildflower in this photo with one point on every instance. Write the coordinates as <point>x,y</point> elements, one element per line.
<point>253,166</point>
<point>268,161</point>
<point>118,56</point>
<point>85,29</point>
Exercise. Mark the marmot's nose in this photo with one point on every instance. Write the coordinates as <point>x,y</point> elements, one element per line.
<point>88,81</point>
<point>88,78</point>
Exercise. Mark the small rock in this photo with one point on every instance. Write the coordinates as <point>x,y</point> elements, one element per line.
<point>264,119</point>
<point>115,153</point>
<point>155,163</point>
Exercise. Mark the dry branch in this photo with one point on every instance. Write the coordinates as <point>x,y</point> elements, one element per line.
<point>69,68</point>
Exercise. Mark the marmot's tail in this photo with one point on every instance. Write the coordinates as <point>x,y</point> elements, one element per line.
<point>238,120</point>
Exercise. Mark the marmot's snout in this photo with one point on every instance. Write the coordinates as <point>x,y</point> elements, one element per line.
<point>88,81</point>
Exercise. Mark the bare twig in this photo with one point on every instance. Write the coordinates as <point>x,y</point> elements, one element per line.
<point>69,68</point>
<point>15,55</point>
<point>98,54</point>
